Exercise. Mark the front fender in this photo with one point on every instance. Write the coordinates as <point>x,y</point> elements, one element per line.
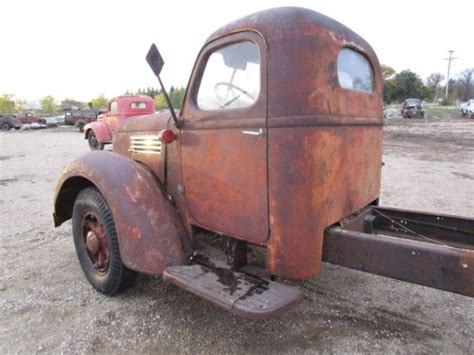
<point>101,131</point>
<point>150,232</point>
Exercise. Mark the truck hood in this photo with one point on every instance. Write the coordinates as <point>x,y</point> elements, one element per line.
<point>145,123</point>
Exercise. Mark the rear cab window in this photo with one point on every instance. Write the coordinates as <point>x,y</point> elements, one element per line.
<point>354,71</point>
<point>138,105</point>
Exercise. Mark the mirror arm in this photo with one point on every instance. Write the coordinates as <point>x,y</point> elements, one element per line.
<point>168,101</point>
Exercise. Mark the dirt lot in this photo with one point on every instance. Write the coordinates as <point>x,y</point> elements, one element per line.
<point>46,304</point>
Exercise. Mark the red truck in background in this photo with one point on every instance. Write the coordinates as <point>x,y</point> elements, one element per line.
<point>120,108</point>
<point>28,118</point>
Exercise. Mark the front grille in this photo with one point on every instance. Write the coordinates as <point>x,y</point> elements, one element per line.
<point>149,144</point>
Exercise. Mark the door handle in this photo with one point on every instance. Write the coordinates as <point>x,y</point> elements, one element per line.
<point>258,133</point>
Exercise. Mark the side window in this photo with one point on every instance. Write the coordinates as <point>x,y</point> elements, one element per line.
<point>231,78</point>
<point>113,107</point>
<point>354,71</point>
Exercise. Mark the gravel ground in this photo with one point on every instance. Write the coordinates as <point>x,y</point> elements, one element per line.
<point>46,304</point>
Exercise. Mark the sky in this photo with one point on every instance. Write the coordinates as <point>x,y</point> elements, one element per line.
<point>80,49</point>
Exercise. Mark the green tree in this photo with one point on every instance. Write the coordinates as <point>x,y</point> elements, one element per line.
<point>20,105</point>
<point>99,101</point>
<point>404,85</point>
<point>7,105</point>
<point>160,101</point>
<point>176,97</point>
<point>48,105</point>
<point>71,104</point>
<point>387,72</point>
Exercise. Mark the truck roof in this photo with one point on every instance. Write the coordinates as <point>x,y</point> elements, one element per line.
<point>302,49</point>
<point>132,98</point>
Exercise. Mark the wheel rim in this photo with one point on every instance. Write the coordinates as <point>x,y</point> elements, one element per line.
<point>93,140</point>
<point>95,242</point>
<point>5,127</point>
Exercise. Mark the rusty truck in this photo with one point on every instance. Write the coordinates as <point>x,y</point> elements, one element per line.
<point>271,167</point>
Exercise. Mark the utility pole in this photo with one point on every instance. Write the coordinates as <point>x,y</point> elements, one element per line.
<point>449,69</point>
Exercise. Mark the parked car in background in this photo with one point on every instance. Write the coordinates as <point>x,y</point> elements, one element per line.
<point>79,118</point>
<point>390,112</point>
<point>467,109</point>
<point>54,120</point>
<point>7,122</point>
<point>29,117</point>
<point>413,108</point>
<point>120,109</point>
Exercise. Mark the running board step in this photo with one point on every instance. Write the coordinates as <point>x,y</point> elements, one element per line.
<point>239,293</point>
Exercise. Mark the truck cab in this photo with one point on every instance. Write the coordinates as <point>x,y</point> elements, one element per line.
<point>272,163</point>
<point>119,109</point>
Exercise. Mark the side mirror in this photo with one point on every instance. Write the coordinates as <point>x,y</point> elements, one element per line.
<point>155,60</point>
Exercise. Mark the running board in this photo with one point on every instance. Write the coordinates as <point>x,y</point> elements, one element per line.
<point>235,291</point>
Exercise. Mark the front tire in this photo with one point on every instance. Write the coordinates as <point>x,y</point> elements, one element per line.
<point>94,144</point>
<point>6,126</point>
<point>96,243</point>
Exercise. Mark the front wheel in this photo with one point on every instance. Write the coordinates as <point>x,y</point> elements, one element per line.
<point>94,144</point>
<point>6,126</point>
<point>96,242</point>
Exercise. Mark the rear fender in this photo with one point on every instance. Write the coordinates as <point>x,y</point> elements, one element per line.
<point>150,232</point>
<point>101,131</point>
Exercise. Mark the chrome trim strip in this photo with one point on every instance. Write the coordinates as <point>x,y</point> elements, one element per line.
<point>145,144</point>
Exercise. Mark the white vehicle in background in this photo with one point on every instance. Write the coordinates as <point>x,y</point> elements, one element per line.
<point>467,109</point>
<point>55,121</point>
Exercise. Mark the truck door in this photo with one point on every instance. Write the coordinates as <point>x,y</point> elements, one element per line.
<point>223,138</point>
<point>112,115</point>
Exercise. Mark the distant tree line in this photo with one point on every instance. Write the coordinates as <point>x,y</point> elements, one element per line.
<point>406,84</point>
<point>48,105</point>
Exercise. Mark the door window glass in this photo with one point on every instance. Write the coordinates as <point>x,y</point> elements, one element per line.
<point>231,78</point>
<point>113,107</point>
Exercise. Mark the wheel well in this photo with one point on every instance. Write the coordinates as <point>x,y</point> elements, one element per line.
<point>66,196</point>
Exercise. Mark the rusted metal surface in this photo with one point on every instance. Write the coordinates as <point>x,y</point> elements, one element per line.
<point>318,176</point>
<point>312,159</point>
<point>134,130</point>
<point>456,231</point>
<point>149,230</point>
<point>324,143</point>
<point>224,172</point>
<point>95,241</point>
<point>426,263</point>
<point>234,291</point>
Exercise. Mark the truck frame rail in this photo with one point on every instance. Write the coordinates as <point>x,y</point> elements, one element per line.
<point>433,250</point>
